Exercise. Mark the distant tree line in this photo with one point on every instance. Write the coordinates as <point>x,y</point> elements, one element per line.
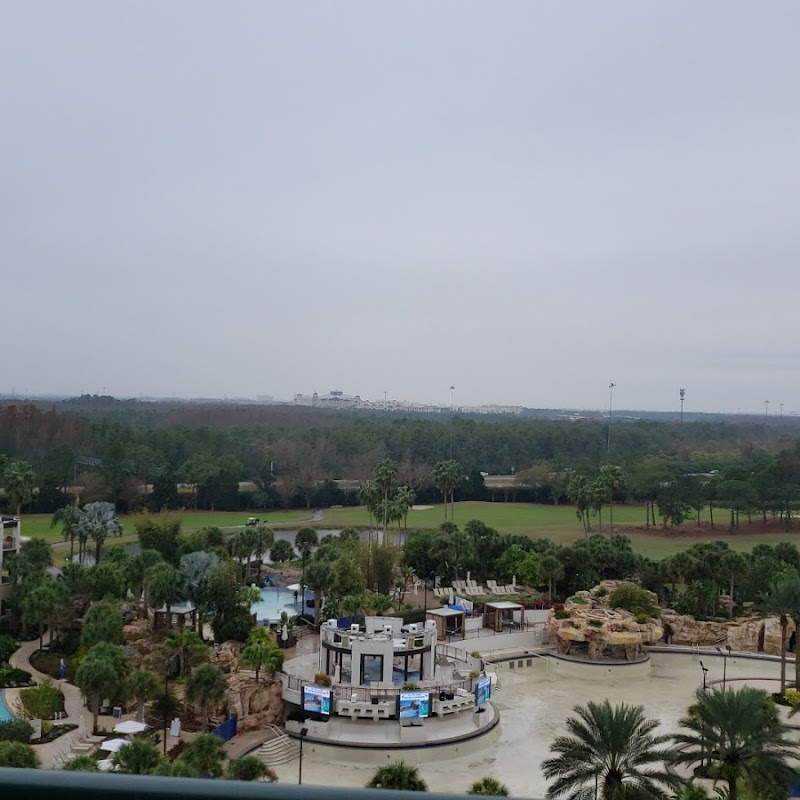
<point>196,457</point>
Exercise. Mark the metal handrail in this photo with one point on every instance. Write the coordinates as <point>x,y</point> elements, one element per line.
<point>23,784</point>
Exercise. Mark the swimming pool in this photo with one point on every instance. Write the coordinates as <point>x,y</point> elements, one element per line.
<point>5,714</point>
<point>276,600</point>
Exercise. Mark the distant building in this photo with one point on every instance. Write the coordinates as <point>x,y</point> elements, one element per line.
<point>333,399</point>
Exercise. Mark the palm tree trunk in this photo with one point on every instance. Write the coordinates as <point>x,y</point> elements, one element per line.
<point>796,621</point>
<point>784,627</point>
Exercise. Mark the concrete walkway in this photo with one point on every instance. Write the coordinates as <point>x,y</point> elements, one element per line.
<point>73,702</point>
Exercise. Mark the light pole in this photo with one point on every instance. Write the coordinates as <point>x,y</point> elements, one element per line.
<point>683,395</point>
<point>452,411</point>
<point>703,727</point>
<point>167,664</point>
<point>766,409</point>
<point>725,657</point>
<point>303,734</point>
<point>610,406</point>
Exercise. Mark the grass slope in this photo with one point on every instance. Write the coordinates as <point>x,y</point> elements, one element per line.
<point>557,523</point>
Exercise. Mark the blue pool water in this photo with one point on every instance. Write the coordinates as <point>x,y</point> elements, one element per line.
<point>5,714</point>
<point>274,601</point>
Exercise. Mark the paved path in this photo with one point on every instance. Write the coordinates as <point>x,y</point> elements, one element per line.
<point>73,701</point>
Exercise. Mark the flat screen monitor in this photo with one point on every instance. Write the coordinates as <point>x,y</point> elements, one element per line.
<point>483,690</point>
<point>317,700</point>
<point>414,705</point>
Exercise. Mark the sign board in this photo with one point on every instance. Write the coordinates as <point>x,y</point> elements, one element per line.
<point>317,699</point>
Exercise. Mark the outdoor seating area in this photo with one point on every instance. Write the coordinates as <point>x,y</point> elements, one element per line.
<point>471,588</point>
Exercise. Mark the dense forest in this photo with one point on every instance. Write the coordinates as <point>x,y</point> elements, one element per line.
<point>291,456</point>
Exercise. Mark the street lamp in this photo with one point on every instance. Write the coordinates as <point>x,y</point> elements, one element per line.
<point>303,734</point>
<point>167,664</point>
<point>725,657</point>
<point>610,405</point>
<point>705,672</point>
<point>683,395</point>
<point>452,411</point>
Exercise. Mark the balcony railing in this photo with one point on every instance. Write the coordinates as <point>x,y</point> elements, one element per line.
<point>25,784</point>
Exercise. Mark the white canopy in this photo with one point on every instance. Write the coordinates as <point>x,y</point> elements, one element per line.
<point>105,765</point>
<point>293,587</point>
<point>114,745</point>
<point>130,726</point>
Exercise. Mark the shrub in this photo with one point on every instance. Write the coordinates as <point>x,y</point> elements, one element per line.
<point>579,601</point>
<point>15,730</point>
<point>18,754</point>
<point>12,678</point>
<point>42,701</point>
<point>596,623</point>
<point>321,679</point>
<point>634,599</point>
<point>562,614</point>
<point>792,697</point>
<point>601,592</point>
<point>8,644</point>
<point>490,787</point>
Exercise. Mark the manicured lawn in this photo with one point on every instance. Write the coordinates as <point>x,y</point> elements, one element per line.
<point>560,524</point>
<point>557,523</point>
<point>38,525</point>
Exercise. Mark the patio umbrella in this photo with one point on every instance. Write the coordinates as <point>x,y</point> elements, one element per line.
<point>285,633</point>
<point>114,745</point>
<point>130,726</point>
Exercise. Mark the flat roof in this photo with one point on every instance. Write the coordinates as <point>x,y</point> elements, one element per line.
<point>444,612</point>
<point>503,604</point>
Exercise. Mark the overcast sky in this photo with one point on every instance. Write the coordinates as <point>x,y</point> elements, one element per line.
<point>525,200</point>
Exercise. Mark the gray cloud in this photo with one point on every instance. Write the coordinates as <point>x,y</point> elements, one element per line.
<point>524,200</point>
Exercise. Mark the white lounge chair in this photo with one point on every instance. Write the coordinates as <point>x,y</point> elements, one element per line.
<point>80,747</point>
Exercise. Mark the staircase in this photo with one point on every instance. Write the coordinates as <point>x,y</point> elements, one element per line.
<point>278,748</point>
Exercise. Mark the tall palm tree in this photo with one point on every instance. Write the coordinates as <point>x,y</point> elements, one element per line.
<point>305,541</point>
<point>398,776</point>
<point>784,600</point>
<point>189,648</point>
<point>140,757</point>
<point>385,476</point>
<point>98,677</point>
<point>205,754</point>
<point>18,482</point>
<point>262,655</point>
<point>194,579</point>
<point>368,496</point>
<point>611,746</point>
<point>405,497</point>
<point>447,475</point>
<point>67,517</point>
<point>740,736</point>
<point>206,689</point>
<point>160,588</point>
<point>98,521</point>
<point>143,685</point>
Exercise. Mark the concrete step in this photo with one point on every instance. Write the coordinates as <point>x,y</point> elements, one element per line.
<point>280,750</point>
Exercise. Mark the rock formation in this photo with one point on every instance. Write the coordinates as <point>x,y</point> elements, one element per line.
<point>607,633</point>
